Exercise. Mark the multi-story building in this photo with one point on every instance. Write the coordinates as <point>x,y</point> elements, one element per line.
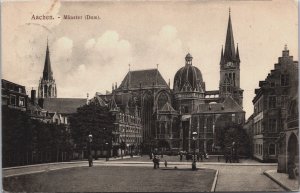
<point>288,155</point>
<point>270,108</point>
<point>127,127</point>
<point>14,95</point>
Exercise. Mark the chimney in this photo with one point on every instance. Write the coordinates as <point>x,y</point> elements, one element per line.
<point>33,95</point>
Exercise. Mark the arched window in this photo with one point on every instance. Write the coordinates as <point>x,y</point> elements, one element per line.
<point>162,100</point>
<point>272,149</point>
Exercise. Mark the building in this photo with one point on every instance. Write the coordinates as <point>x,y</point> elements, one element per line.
<point>47,85</point>
<point>288,141</point>
<point>127,129</point>
<point>14,95</point>
<point>170,116</point>
<point>270,110</point>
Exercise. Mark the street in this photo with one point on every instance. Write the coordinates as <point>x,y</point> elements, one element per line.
<point>137,174</point>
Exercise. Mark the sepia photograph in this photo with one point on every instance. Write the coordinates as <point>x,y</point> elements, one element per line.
<point>149,96</point>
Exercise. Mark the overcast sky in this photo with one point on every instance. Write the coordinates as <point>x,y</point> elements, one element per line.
<point>89,55</point>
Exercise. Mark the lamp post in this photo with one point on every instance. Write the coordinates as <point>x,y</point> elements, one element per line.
<point>90,150</point>
<point>107,149</point>
<point>194,134</point>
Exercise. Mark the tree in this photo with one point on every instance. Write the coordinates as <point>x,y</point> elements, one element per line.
<point>92,119</point>
<point>27,141</point>
<point>235,133</point>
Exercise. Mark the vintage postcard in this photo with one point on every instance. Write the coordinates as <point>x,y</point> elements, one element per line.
<point>150,96</point>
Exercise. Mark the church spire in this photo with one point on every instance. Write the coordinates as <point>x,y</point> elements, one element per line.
<point>222,56</point>
<point>237,53</point>
<point>47,73</point>
<point>229,53</point>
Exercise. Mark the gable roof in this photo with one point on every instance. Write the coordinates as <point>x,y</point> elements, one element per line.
<point>146,78</point>
<point>63,105</point>
<point>167,107</point>
<point>228,106</point>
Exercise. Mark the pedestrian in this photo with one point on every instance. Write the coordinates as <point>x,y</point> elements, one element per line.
<point>90,160</point>
<point>154,162</point>
<point>166,163</point>
<point>201,156</point>
<point>198,157</point>
<point>157,162</point>
<point>180,156</point>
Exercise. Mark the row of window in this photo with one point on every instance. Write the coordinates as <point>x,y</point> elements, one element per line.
<point>272,126</point>
<point>274,101</point>
<point>130,139</point>
<point>284,80</point>
<point>258,149</point>
<point>129,119</point>
<point>129,129</point>
<point>13,100</point>
<point>277,101</point>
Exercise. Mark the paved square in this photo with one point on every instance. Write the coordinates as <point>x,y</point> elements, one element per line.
<point>112,179</point>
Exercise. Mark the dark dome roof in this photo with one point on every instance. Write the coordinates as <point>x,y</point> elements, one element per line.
<point>188,78</point>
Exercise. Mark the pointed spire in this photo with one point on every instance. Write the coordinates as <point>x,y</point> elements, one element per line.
<point>222,56</point>
<point>47,73</point>
<point>113,104</point>
<point>237,53</point>
<point>229,54</point>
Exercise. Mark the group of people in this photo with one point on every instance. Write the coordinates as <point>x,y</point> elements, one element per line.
<point>199,156</point>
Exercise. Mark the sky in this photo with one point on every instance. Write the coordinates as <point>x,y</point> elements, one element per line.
<point>87,56</point>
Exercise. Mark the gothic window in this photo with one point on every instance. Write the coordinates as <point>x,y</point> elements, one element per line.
<point>45,90</point>
<point>272,102</point>
<point>272,125</point>
<point>272,149</point>
<point>284,80</point>
<point>162,100</point>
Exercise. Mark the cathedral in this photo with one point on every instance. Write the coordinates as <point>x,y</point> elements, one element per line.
<point>170,116</point>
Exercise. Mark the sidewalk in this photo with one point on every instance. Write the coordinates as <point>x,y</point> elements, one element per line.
<point>37,168</point>
<point>283,180</point>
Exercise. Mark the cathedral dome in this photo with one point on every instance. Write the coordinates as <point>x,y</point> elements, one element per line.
<point>188,78</point>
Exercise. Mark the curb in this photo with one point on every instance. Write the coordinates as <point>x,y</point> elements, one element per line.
<point>278,182</point>
<point>55,163</point>
<point>214,185</point>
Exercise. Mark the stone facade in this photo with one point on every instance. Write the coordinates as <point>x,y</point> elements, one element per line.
<point>270,110</point>
<point>289,139</point>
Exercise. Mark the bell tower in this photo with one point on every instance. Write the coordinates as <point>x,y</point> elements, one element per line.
<point>47,85</point>
<point>229,84</point>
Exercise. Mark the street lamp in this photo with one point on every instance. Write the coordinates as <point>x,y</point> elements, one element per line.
<point>194,134</point>
<point>90,150</point>
<point>107,149</point>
